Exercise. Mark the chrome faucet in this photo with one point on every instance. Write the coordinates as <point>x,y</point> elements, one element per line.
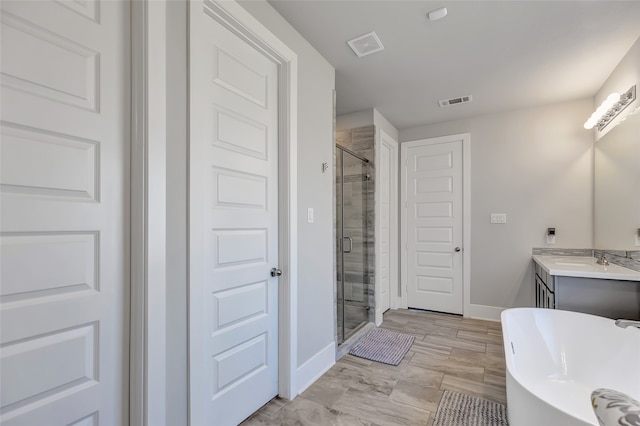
<point>602,260</point>
<point>627,323</point>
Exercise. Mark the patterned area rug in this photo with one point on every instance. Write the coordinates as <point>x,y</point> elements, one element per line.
<point>387,347</point>
<point>458,409</point>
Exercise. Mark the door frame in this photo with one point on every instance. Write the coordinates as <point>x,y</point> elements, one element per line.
<point>466,214</point>
<point>384,139</point>
<point>241,23</point>
<point>148,248</point>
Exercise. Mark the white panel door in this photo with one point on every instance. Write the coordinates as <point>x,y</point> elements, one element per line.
<point>434,226</point>
<point>233,224</point>
<point>65,213</point>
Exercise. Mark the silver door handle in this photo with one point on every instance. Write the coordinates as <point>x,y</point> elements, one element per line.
<point>457,249</point>
<point>275,272</point>
<point>350,245</point>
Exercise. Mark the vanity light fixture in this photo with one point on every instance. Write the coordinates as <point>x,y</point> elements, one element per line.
<point>610,108</point>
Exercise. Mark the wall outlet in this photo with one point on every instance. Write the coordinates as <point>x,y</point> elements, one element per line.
<point>637,240</point>
<point>310,215</point>
<point>551,239</point>
<point>498,218</point>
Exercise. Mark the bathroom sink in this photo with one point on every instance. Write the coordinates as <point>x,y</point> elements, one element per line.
<point>572,264</point>
<point>575,261</point>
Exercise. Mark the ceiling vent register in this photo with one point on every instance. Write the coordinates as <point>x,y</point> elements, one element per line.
<point>366,44</point>
<point>455,101</point>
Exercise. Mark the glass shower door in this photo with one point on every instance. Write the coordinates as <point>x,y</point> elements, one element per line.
<point>351,231</point>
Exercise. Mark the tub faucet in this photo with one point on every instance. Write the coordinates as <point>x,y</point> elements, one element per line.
<point>627,323</point>
<point>602,260</point>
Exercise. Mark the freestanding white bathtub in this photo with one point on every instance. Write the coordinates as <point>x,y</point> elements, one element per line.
<point>555,359</point>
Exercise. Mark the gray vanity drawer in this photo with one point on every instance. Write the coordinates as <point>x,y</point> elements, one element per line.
<point>545,297</point>
<point>545,277</point>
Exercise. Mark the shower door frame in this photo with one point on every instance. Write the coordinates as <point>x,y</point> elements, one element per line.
<point>341,337</point>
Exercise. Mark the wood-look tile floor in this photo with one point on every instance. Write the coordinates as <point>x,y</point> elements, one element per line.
<point>450,352</point>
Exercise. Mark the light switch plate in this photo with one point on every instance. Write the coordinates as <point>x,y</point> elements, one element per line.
<point>310,215</point>
<point>551,239</point>
<point>500,218</point>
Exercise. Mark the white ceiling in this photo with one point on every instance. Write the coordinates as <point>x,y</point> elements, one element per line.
<point>507,54</point>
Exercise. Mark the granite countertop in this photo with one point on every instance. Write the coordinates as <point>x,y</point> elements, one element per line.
<point>585,267</point>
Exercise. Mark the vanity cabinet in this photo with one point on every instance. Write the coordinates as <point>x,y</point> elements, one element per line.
<point>545,294</point>
<point>602,297</point>
<point>564,288</point>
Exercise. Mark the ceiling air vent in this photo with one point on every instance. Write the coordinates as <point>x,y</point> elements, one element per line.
<point>366,44</point>
<point>453,101</point>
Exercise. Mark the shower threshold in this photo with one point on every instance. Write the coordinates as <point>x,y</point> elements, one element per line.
<point>354,337</point>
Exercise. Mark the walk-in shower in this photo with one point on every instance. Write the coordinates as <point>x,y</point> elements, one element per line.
<point>352,232</point>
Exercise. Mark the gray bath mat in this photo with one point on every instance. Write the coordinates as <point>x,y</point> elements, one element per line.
<point>458,409</point>
<point>383,346</point>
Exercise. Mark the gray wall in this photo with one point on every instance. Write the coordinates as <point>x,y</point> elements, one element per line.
<point>354,120</point>
<point>617,172</point>
<point>535,165</point>
<point>382,123</point>
<point>316,82</point>
<point>365,118</point>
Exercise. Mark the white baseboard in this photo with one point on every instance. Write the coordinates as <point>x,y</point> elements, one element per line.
<point>315,367</point>
<point>491,313</point>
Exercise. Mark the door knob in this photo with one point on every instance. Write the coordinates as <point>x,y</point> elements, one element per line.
<point>275,272</point>
<point>457,249</point>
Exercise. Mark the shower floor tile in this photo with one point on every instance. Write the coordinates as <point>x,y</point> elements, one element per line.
<point>450,352</point>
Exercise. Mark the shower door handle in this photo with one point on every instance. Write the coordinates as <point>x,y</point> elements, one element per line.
<point>350,244</point>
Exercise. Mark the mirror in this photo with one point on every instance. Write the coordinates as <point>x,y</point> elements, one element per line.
<point>617,187</point>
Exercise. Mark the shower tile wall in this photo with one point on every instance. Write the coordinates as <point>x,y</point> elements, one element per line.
<point>357,286</point>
